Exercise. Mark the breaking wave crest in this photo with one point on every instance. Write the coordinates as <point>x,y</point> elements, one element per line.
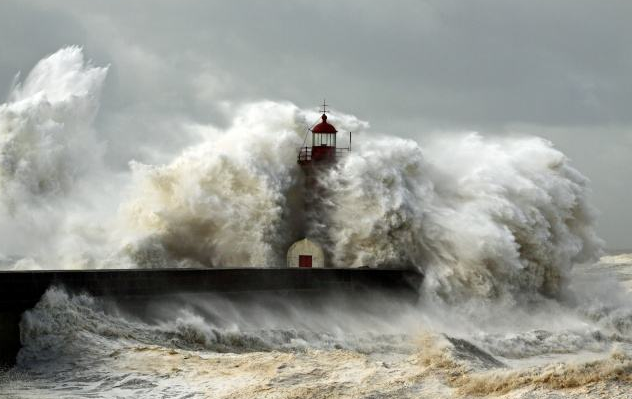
<point>615,369</point>
<point>190,343</point>
<point>227,201</point>
<point>487,218</point>
<point>46,128</point>
<point>496,225</point>
<point>472,371</point>
<point>67,326</point>
<point>481,216</point>
<point>49,153</point>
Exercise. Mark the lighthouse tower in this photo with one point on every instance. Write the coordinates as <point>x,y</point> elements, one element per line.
<point>314,159</point>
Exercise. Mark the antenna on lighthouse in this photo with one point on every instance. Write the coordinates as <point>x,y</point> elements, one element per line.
<point>324,110</point>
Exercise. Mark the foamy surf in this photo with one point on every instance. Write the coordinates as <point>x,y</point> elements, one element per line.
<point>279,346</point>
<point>498,226</point>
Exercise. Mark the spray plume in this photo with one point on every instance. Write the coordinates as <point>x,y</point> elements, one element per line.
<point>483,217</point>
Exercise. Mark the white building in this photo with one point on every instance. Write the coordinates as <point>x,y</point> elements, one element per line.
<point>305,253</point>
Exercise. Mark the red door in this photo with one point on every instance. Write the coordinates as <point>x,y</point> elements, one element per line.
<point>305,261</point>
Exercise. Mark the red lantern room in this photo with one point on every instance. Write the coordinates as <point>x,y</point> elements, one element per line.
<point>324,141</point>
<point>323,148</point>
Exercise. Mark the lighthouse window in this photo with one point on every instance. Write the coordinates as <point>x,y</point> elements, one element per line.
<point>325,139</point>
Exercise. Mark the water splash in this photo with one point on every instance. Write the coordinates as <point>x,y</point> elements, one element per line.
<point>50,156</point>
<point>483,217</point>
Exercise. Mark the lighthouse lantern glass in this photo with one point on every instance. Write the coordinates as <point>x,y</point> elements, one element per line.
<point>324,139</point>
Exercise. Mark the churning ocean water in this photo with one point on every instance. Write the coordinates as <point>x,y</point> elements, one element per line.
<point>345,346</point>
<point>515,301</point>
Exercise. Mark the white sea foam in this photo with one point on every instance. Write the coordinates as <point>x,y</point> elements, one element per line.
<point>482,216</point>
<point>496,225</point>
<point>51,171</point>
<point>230,347</point>
<point>620,259</point>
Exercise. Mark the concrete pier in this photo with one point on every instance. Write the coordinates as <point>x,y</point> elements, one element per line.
<point>21,290</point>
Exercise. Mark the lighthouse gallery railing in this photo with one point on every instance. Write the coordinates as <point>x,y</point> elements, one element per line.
<point>305,154</point>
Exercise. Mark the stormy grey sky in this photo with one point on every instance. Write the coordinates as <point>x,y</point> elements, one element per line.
<point>557,69</point>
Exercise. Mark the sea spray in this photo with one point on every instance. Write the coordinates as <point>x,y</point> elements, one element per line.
<point>509,220</point>
<point>61,325</point>
<point>278,343</point>
<point>227,201</point>
<point>46,129</point>
<point>482,217</point>
<point>496,224</point>
<point>51,163</point>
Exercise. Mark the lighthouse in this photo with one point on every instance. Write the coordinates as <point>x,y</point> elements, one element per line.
<point>314,159</point>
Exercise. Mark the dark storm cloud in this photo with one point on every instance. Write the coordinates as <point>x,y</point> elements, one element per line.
<point>559,69</point>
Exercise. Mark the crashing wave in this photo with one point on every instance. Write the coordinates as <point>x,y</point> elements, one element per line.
<point>483,217</point>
